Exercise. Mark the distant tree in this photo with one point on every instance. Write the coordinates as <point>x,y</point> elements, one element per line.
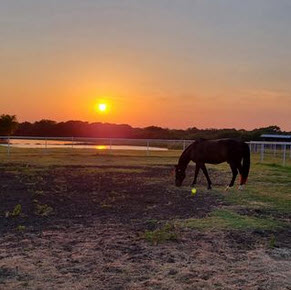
<point>274,129</point>
<point>8,124</point>
<point>256,133</point>
<point>74,128</point>
<point>154,132</point>
<point>24,129</point>
<point>45,127</point>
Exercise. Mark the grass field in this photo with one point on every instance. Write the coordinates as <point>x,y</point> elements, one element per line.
<point>85,218</point>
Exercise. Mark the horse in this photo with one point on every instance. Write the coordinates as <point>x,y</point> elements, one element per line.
<point>236,153</point>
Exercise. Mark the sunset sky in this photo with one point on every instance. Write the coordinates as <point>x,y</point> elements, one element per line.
<point>176,64</point>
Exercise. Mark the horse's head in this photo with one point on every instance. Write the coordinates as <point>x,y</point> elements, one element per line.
<point>180,175</point>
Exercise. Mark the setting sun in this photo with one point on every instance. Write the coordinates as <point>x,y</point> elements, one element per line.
<point>101,107</point>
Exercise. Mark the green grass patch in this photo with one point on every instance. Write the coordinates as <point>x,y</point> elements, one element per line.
<point>269,187</point>
<point>273,197</point>
<point>226,219</point>
<point>279,167</point>
<point>166,233</point>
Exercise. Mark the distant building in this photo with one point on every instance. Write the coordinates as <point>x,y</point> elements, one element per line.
<point>273,137</point>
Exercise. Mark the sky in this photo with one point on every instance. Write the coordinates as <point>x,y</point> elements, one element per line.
<point>175,64</point>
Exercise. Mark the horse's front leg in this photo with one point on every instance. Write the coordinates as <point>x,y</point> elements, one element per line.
<point>197,168</point>
<point>203,167</point>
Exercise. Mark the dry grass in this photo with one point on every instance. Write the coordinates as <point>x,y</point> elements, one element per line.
<point>111,256</point>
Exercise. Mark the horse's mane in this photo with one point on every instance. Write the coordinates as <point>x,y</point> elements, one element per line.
<point>185,154</point>
<point>188,147</point>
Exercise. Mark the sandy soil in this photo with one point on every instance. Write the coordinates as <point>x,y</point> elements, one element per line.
<point>93,237</point>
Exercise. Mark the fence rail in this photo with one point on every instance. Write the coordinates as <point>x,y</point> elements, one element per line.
<point>265,149</point>
<point>274,149</point>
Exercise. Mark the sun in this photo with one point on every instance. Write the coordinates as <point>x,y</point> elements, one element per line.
<point>101,107</point>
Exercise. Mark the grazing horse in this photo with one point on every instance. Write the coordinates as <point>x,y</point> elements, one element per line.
<point>235,153</point>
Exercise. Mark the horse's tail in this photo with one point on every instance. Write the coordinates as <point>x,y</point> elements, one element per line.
<point>245,164</point>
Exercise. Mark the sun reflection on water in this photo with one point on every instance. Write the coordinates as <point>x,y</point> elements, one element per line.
<point>101,147</point>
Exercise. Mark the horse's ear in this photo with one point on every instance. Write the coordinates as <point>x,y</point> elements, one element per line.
<point>201,139</point>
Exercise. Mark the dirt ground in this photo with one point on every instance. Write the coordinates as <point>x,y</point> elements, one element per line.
<point>83,227</point>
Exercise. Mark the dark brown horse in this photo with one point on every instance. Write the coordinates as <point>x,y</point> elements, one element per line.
<point>235,153</point>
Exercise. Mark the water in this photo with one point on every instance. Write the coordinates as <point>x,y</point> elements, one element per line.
<point>27,143</point>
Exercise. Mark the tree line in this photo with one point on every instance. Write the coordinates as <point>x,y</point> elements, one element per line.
<point>50,128</point>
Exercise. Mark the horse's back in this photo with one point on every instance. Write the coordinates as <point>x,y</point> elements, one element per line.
<point>218,150</point>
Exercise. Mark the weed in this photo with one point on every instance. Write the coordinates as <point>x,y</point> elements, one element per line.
<point>166,233</point>
<point>152,222</point>
<point>38,193</point>
<point>21,228</point>
<point>16,211</point>
<point>272,242</point>
<point>42,209</point>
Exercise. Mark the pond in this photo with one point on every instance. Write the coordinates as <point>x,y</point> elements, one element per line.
<point>40,143</point>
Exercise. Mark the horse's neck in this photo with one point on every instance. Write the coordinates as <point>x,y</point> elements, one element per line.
<point>184,159</point>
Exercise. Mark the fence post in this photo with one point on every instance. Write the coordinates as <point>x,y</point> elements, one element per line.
<point>72,140</point>
<point>8,147</point>
<point>148,148</point>
<point>184,145</point>
<point>275,147</point>
<point>262,152</point>
<point>284,155</point>
<point>110,145</point>
<point>45,145</point>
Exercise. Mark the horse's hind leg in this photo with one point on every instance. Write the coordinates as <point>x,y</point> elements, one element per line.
<point>234,173</point>
<point>239,167</point>
<point>241,184</point>
<point>203,167</point>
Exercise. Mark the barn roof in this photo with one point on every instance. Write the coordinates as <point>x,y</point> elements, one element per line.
<point>276,136</point>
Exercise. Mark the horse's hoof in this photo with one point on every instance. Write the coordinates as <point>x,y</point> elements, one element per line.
<point>227,188</point>
<point>240,187</point>
<point>209,188</point>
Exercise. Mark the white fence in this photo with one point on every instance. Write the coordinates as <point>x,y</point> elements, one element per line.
<point>276,150</point>
<point>268,149</point>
